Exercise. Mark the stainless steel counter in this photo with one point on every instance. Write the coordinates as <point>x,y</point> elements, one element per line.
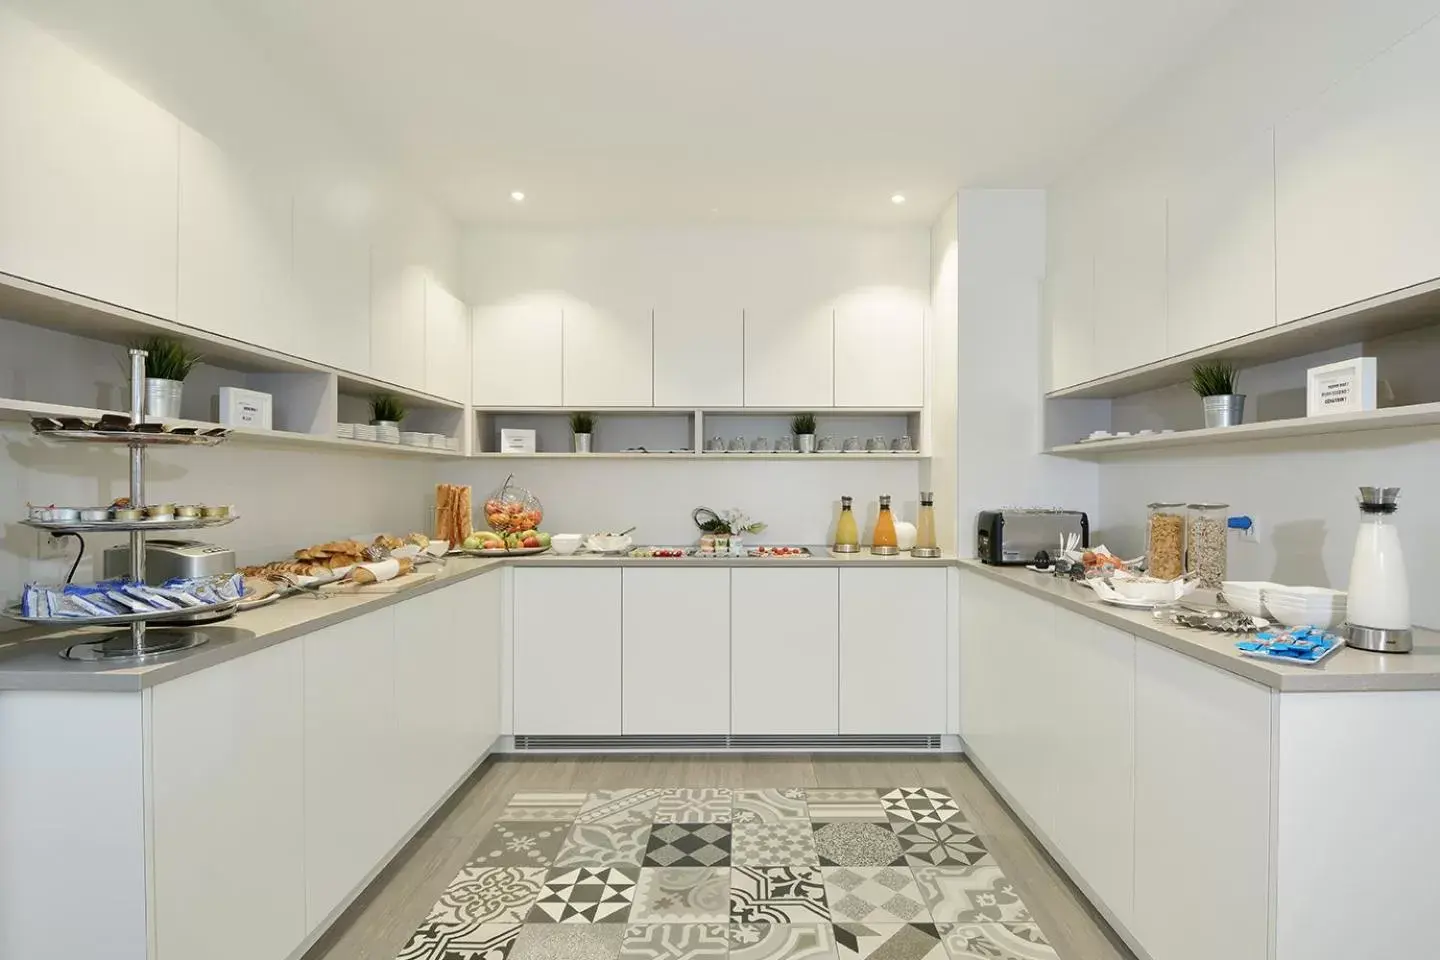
<point>1349,670</point>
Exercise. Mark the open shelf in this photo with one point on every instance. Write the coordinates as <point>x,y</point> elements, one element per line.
<point>1390,313</point>
<point>1416,415</point>
<point>690,455</point>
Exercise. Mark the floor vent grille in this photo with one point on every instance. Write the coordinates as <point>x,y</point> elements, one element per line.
<point>720,741</point>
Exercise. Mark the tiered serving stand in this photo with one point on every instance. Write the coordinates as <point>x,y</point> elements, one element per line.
<point>139,640</point>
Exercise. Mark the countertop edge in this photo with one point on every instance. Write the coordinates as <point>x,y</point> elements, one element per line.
<point>1278,678</point>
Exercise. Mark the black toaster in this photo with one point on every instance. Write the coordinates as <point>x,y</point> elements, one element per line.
<point>1015,536</point>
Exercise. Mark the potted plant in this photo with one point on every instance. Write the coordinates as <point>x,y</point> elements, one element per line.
<point>386,412</point>
<point>726,526</point>
<point>803,426</point>
<point>582,425</point>
<point>167,363</point>
<point>1214,381</point>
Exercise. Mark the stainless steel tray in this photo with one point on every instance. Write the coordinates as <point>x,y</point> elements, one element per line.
<point>143,438</point>
<point>13,612</point>
<point>125,526</point>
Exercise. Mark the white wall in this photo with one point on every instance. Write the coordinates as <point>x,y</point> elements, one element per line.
<point>941,473</point>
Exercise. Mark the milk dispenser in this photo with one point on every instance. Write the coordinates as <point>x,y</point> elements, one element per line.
<point>1379,602</point>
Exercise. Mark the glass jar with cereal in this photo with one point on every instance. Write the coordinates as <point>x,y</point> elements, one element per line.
<point>1165,541</point>
<point>1205,542</point>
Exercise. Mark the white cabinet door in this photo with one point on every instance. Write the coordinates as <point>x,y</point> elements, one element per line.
<point>784,651</point>
<point>982,692</point>
<point>1093,765</point>
<point>425,687</point>
<point>477,669</point>
<point>235,248</point>
<point>880,352</point>
<point>1221,245</point>
<point>700,356</point>
<point>789,356</point>
<point>1130,294</point>
<point>447,344</point>
<point>1357,199</point>
<point>1202,802</point>
<point>227,801</point>
<point>351,756</point>
<point>1069,292</point>
<point>609,355</point>
<point>87,176</point>
<point>892,651</point>
<point>567,651</point>
<point>332,276</point>
<point>397,319</point>
<point>517,354</point>
<point>676,651</point>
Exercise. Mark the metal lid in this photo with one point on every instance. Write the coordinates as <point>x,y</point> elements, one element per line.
<point>1379,494</point>
<point>884,500</point>
<point>1208,506</point>
<point>1165,503</point>
<point>845,503</point>
<point>927,496</point>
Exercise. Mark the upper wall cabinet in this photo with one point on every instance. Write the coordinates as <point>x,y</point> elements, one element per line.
<point>1221,245</point>
<point>609,356</point>
<point>880,351</point>
<point>1130,309</point>
<point>517,354</point>
<point>235,249</point>
<point>332,275</point>
<point>447,344</point>
<point>700,356</point>
<point>87,177</point>
<point>397,319</point>
<point>1357,198</point>
<point>789,356</point>
<point>1069,300</point>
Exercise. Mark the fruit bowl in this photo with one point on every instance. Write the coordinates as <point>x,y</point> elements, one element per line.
<point>513,509</point>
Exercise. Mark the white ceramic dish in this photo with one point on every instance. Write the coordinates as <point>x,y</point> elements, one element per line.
<point>1107,594</point>
<point>1292,616</point>
<point>438,548</point>
<point>565,543</point>
<point>596,543</point>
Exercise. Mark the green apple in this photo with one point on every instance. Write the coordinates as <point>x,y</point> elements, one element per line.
<point>472,542</point>
<point>544,538</point>
<point>526,534</point>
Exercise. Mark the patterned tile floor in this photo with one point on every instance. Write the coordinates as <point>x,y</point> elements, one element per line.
<point>648,873</point>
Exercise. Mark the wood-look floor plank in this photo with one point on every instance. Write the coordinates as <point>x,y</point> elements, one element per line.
<point>381,921</point>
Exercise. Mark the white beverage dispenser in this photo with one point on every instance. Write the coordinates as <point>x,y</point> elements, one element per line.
<point>1379,601</point>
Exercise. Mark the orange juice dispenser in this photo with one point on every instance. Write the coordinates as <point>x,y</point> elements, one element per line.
<point>925,543</point>
<point>883,542</point>
<point>847,534</point>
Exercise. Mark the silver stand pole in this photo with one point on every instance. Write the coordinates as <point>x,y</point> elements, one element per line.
<point>137,486</point>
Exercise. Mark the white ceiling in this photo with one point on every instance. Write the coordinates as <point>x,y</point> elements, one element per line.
<point>688,110</point>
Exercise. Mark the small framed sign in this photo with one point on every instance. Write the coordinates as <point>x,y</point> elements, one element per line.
<point>517,441</point>
<point>245,408</point>
<point>1345,387</point>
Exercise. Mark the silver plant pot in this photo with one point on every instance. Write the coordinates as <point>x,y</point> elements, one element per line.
<point>162,398</point>
<point>1227,410</point>
<point>805,442</point>
<point>582,442</point>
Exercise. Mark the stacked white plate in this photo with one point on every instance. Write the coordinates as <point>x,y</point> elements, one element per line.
<point>1306,606</point>
<point>345,431</point>
<point>411,439</point>
<point>452,444</point>
<point>365,431</point>
<point>1248,595</point>
<point>387,434</point>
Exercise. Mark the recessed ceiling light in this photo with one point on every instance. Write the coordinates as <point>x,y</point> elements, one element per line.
<point>897,198</point>
<point>517,195</point>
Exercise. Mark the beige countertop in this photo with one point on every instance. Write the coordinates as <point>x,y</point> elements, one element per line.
<point>1349,670</point>
<point>29,658</point>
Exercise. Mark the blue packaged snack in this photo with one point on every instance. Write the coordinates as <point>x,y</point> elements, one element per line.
<point>149,597</point>
<point>35,601</point>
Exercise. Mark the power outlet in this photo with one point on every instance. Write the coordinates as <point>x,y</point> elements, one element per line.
<point>1250,534</point>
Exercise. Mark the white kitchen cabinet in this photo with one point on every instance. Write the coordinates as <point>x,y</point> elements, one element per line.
<point>235,274</point>
<point>427,631</point>
<point>784,651</point>
<point>517,354</point>
<point>397,318</point>
<point>880,352</point>
<point>1202,802</point>
<point>1069,290</point>
<point>892,650</point>
<point>1221,244</point>
<point>676,651</point>
<point>789,355</point>
<point>351,755</point>
<point>609,358</point>
<point>1130,308</point>
<point>1093,763</point>
<point>87,176</point>
<point>476,673</point>
<point>447,343</point>
<point>227,820</point>
<point>700,356</point>
<point>567,673</point>
<point>1357,199</point>
<point>332,277</point>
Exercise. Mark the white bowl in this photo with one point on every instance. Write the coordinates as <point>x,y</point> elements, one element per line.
<point>565,543</point>
<point>1315,596</point>
<point>601,543</point>
<point>1150,591</point>
<point>1250,588</point>
<point>1295,617</point>
<point>1251,605</point>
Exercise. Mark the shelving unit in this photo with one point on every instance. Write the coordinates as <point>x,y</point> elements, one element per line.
<point>690,455</point>
<point>1417,415</point>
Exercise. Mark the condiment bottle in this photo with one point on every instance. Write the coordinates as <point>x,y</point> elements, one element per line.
<point>925,545</point>
<point>883,541</point>
<point>847,534</point>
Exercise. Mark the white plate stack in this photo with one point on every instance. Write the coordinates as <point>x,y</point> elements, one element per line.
<point>345,431</point>
<point>1247,595</point>
<point>412,439</point>
<point>365,431</point>
<point>1306,606</point>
